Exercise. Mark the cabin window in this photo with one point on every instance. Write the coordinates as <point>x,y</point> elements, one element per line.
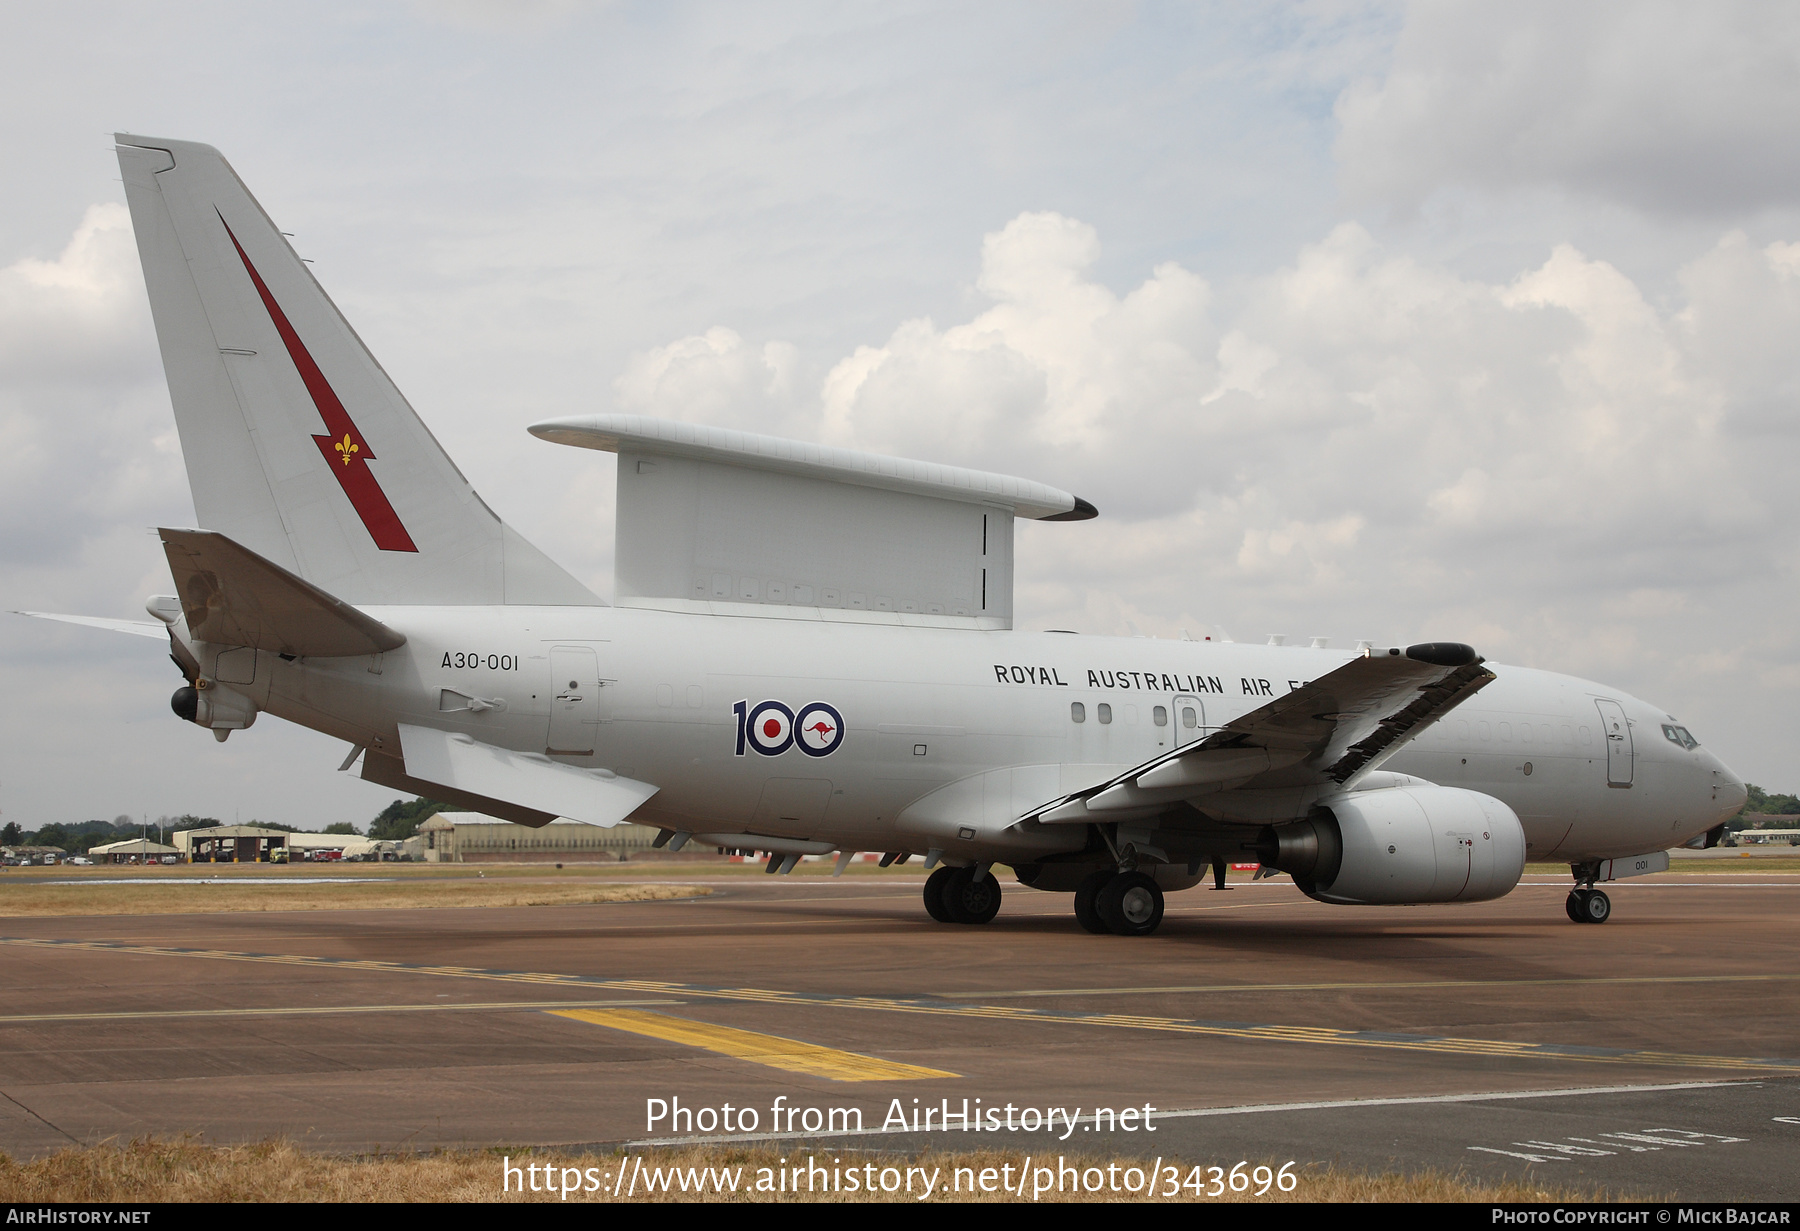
<point>1160,716</point>
<point>1189,718</point>
<point>1077,712</point>
<point>1105,711</point>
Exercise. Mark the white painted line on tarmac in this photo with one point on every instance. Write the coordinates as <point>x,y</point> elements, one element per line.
<point>1577,1091</point>
<point>1650,884</point>
<point>1198,1112</point>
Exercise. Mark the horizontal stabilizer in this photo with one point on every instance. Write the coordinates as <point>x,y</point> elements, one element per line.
<point>529,780</point>
<point>137,628</point>
<point>232,596</point>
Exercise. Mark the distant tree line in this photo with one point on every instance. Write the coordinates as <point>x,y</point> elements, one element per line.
<point>399,820</point>
<point>1762,803</point>
<point>79,837</point>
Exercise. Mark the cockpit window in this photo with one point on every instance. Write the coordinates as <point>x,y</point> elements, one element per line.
<point>1679,735</point>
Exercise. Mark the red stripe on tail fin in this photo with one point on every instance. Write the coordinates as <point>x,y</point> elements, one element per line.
<point>346,453</point>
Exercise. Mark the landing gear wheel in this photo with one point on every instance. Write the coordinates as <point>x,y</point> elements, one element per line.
<point>1131,904</point>
<point>969,900</point>
<point>935,906</point>
<point>1596,907</point>
<point>1575,905</point>
<point>1085,893</point>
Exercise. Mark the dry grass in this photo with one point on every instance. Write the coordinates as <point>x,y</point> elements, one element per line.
<point>183,1170</point>
<point>28,900</point>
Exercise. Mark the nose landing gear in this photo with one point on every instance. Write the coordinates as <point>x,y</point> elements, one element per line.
<point>1587,904</point>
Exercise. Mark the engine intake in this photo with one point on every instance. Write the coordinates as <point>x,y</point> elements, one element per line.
<point>1400,846</point>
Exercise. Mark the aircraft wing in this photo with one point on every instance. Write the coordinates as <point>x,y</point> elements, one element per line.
<point>1322,734</point>
<point>529,781</point>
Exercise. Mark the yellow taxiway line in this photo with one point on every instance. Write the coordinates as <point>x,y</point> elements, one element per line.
<point>771,1050</point>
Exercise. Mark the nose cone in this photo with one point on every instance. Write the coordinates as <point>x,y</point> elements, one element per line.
<point>1729,793</point>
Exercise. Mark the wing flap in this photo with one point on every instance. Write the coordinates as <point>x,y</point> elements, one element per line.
<point>528,780</point>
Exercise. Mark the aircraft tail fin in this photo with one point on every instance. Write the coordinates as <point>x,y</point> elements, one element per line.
<point>298,445</point>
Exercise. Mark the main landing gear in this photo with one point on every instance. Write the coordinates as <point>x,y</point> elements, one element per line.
<point>1588,906</point>
<point>1123,903</point>
<point>962,895</point>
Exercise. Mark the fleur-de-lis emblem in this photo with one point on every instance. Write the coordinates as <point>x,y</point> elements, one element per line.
<point>346,447</point>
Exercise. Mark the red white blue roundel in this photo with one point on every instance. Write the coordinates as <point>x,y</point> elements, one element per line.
<point>818,730</point>
<point>770,728</point>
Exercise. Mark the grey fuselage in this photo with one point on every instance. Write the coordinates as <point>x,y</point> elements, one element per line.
<point>926,707</point>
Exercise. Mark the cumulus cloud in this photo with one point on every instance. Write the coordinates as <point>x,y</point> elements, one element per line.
<point>59,318</point>
<point>75,352</point>
<point>715,378</point>
<point>501,16</point>
<point>1058,363</point>
<point>1666,107</point>
<point>1548,464</point>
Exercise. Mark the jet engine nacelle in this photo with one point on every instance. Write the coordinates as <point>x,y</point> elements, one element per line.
<point>1401,846</point>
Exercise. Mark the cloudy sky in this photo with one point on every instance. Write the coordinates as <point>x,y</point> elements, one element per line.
<point>1355,320</point>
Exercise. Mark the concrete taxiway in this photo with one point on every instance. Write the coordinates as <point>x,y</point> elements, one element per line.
<point>1655,1054</point>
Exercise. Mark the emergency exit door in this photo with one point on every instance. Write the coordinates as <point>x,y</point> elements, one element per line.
<point>574,701</point>
<point>1620,758</point>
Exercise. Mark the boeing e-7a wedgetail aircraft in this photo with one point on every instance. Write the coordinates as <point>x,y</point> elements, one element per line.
<point>811,649</point>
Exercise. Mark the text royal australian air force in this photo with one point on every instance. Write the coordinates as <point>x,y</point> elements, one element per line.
<point>1141,681</point>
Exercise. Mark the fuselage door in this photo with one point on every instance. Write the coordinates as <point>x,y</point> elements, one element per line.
<point>1190,719</point>
<point>1619,755</point>
<point>574,700</point>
